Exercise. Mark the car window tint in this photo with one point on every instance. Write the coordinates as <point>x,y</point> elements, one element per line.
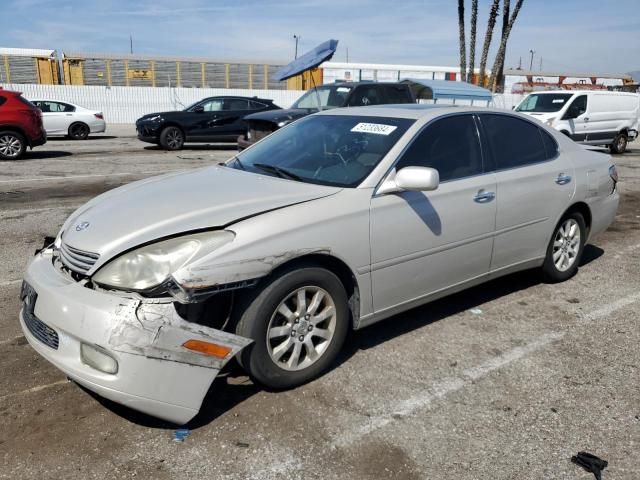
<point>514,142</point>
<point>450,145</point>
<point>395,94</point>
<point>236,104</point>
<point>364,96</point>
<point>2,100</point>
<point>212,106</point>
<point>256,105</point>
<point>67,108</point>
<point>577,107</point>
<point>550,145</point>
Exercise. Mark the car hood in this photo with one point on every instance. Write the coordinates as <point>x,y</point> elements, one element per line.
<point>151,209</point>
<point>162,114</point>
<point>282,115</point>
<point>542,116</point>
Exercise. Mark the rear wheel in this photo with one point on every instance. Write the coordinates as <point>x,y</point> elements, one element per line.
<point>171,138</point>
<point>12,145</point>
<point>565,248</point>
<point>298,323</point>
<point>619,144</point>
<point>79,131</point>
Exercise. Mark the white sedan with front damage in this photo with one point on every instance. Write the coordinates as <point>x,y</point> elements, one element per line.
<point>332,223</point>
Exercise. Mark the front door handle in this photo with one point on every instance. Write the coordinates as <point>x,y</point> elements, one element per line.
<point>586,119</point>
<point>563,179</point>
<point>484,197</point>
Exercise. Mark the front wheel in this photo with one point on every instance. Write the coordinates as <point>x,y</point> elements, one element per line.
<point>298,322</point>
<point>171,138</point>
<point>565,248</point>
<point>619,144</point>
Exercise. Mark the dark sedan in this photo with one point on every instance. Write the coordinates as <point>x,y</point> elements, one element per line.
<point>213,119</point>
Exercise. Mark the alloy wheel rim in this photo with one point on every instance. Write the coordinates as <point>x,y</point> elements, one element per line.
<point>174,138</point>
<point>621,143</point>
<point>566,245</point>
<point>301,328</point>
<point>79,131</point>
<point>10,146</point>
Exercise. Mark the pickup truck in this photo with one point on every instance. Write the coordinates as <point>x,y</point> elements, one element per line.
<point>347,94</point>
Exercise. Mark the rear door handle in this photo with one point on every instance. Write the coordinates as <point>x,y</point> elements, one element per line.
<point>484,197</point>
<point>563,179</point>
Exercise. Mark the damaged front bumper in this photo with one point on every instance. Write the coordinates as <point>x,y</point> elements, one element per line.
<point>156,374</point>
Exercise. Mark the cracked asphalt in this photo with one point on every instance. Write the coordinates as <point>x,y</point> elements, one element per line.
<point>507,380</point>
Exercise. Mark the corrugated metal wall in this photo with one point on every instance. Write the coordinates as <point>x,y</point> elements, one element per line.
<point>127,104</point>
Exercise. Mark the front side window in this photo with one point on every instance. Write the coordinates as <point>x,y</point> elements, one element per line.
<point>332,96</point>
<point>214,105</point>
<point>544,102</point>
<point>577,107</point>
<point>513,141</point>
<point>450,145</point>
<point>336,150</point>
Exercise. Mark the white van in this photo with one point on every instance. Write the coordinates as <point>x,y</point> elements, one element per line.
<point>588,116</point>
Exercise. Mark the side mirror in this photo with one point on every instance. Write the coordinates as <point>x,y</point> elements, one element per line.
<point>199,109</point>
<point>413,179</point>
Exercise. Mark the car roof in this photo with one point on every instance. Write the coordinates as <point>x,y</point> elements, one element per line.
<point>256,99</point>
<point>412,110</point>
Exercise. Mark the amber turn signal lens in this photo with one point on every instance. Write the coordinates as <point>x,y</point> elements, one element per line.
<point>206,348</point>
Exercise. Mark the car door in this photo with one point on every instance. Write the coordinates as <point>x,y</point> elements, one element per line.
<point>534,187</point>
<point>229,122</point>
<point>576,116</point>
<point>200,120</point>
<point>54,117</point>
<point>424,242</point>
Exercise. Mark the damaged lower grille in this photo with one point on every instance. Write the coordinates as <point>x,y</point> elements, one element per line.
<point>77,260</point>
<point>37,327</point>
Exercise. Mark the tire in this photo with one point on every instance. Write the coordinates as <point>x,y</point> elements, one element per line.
<point>79,131</point>
<point>565,248</point>
<point>171,138</point>
<point>12,145</point>
<point>619,144</point>
<point>272,362</point>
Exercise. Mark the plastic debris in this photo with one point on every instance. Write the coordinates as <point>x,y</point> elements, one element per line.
<point>476,311</point>
<point>590,463</point>
<point>180,434</point>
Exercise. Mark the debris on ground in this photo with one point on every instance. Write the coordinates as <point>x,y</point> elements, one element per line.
<point>590,463</point>
<point>476,311</point>
<point>181,434</point>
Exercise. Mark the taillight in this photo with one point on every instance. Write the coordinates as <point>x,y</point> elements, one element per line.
<point>99,115</point>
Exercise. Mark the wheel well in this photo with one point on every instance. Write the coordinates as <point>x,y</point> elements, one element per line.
<point>15,130</point>
<point>337,267</point>
<point>583,209</point>
<point>565,133</point>
<point>170,124</point>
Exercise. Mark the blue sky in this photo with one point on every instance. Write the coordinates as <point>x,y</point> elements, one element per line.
<point>574,35</point>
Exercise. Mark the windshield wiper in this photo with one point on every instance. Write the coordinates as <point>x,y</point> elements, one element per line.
<point>279,171</point>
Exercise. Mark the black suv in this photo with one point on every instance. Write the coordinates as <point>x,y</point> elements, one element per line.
<point>348,94</point>
<point>214,119</point>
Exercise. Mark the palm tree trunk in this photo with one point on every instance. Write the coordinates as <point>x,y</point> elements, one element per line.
<point>505,23</point>
<point>472,40</point>
<point>493,13</point>
<point>499,62</point>
<point>463,47</point>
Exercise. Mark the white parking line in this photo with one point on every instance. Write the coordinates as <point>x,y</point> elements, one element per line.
<point>34,389</point>
<point>95,175</point>
<point>609,308</point>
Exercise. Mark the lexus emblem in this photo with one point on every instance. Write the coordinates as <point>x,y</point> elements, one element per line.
<point>82,226</point>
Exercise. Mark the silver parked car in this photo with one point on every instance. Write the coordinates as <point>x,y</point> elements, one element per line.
<point>336,221</point>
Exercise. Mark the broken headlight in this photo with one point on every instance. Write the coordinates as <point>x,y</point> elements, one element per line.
<point>149,266</point>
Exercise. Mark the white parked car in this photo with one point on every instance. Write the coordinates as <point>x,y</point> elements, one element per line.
<point>67,119</point>
<point>587,116</point>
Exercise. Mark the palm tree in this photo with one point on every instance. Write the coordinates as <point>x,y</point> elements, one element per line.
<point>472,40</point>
<point>463,47</point>
<point>493,13</point>
<point>499,62</point>
<point>505,23</point>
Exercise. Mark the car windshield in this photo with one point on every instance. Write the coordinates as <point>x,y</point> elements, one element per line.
<point>336,150</point>
<point>544,102</point>
<point>328,96</point>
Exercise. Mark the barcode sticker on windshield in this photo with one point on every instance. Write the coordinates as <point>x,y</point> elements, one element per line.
<point>557,100</point>
<point>375,128</point>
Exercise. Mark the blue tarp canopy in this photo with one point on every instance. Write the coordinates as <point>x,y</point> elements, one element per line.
<point>441,89</point>
<point>309,60</point>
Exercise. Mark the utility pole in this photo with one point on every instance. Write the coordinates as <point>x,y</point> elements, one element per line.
<point>520,64</point>
<point>297,39</point>
<point>540,63</point>
<point>532,52</point>
<point>131,44</point>
<point>347,54</point>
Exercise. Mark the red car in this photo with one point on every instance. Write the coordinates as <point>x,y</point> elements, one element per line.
<point>20,125</point>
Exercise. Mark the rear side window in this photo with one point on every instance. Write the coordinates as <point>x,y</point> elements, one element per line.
<point>396,94</point>
<point>256,105</point>
<point>550,145</point>
<point>236,104</point>
<point>2,100</point>
<point>514,142</point>
<point>363,96</point>
<point>449,145</point>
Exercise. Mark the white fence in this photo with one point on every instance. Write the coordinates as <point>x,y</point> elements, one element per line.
<point>127,104</point>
